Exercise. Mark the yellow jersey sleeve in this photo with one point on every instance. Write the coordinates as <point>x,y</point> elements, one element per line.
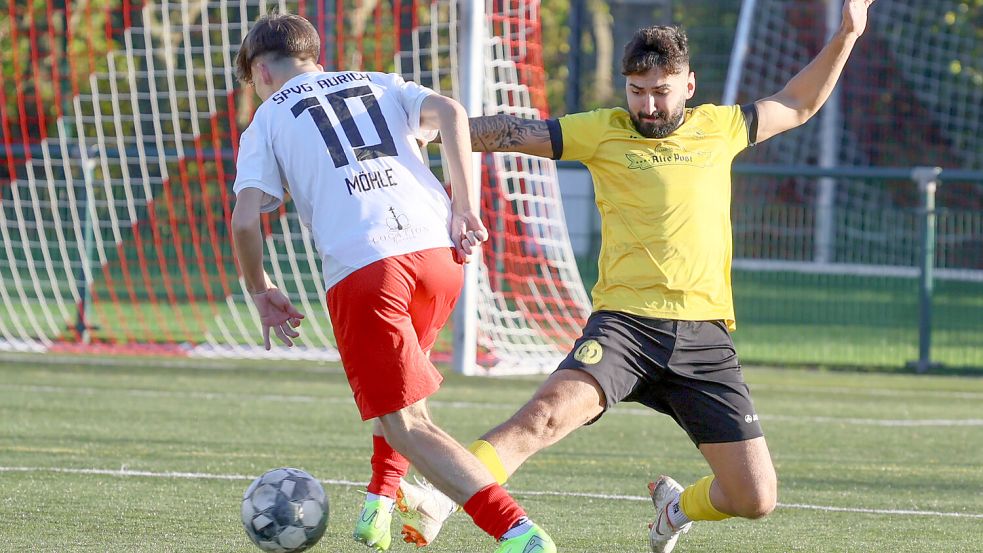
<point>730,120</point>
<point>582,133</point>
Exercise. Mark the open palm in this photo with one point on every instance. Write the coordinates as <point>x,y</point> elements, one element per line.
<point>277,313</point>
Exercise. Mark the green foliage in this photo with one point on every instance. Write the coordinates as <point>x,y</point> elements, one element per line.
<point>73,37</point>
<point>555,15</point>
<point>710,26</point>
<point>967,20</point>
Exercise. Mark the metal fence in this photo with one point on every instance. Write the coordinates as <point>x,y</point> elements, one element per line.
<point>901,282</point>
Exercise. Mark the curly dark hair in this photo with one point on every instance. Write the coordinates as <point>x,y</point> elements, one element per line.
<point>282,34</point>
<point>658,46</point>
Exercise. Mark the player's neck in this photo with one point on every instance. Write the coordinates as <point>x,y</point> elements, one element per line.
<point>283,72</point>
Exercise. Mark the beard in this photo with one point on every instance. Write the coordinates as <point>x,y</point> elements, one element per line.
<point>659,124</point>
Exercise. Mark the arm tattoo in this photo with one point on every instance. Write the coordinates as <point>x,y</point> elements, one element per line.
<point>506,133</point>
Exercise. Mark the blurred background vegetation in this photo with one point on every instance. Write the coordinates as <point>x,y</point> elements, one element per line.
<point>80,33</point>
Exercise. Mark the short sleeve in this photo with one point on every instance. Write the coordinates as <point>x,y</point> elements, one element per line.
<point>411,97</point>
<point>734,125</point>
<point>257,167</point>
<point>581,133</point>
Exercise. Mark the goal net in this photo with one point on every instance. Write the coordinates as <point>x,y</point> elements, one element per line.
<point>120,120</point>
<point>823,261</point>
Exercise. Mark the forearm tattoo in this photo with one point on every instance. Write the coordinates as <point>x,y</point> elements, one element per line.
<point>506,133</point>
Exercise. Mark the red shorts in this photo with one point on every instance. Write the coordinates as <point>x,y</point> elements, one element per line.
<point>386,317</point>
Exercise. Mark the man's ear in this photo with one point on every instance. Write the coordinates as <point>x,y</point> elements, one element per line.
<point>690,85</point>
<point>265,76</point>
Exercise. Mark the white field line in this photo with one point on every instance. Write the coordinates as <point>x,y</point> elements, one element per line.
<point>125,472</point>
<point>328,368</point>
<point>619,410</point>
<point>837,390</point>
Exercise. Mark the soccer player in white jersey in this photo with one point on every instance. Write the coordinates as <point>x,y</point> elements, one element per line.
<point>344,144</point>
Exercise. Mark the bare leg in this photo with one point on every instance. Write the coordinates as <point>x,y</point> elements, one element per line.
<point>745,484</point>
<point>567,400</point>
<point>436,455</point>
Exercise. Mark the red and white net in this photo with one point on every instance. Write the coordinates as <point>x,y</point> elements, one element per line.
<point>119,123</point>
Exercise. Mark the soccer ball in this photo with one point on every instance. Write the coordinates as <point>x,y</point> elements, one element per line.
<point>285,510</point>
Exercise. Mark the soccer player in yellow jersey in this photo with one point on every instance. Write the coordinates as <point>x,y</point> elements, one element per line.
<point>659,331</point>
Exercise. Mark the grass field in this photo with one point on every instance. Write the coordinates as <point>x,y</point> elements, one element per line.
<point>853,321</point>
<point>784,318</point>
<point>114,455</point>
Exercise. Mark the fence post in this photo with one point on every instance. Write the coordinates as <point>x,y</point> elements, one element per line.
<point>928,181</point>
<point>86,251</point>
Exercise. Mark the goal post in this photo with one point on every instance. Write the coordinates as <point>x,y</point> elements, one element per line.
<point>473,38</point>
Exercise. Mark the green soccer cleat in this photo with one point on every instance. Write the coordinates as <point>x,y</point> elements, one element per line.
<point>534,540</point>
<point>373,527</point>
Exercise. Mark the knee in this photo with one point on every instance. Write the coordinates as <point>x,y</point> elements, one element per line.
<point>540,421</point>
<point>566,401</point>
<point>400,427</point>
<point>537,420</point>
<point>758,502</point>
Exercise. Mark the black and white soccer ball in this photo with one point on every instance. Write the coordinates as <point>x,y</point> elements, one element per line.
<point>285,510</point>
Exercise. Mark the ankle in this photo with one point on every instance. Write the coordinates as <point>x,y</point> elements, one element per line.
<point>387,502</point>
<point>520,527</point>
<point>676,514</point>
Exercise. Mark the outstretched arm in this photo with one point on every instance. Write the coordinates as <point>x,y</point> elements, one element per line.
<point>507,133</point>
<point>808,91</point>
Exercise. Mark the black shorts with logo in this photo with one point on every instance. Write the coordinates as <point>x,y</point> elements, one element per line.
<point>685,369</point>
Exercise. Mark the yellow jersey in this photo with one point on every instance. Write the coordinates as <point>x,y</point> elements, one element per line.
<point>666,243</point>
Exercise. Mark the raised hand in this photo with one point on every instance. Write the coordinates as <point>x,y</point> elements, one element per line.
<point>855,16</point>
<point>276,312</point>
<point>467,232</point>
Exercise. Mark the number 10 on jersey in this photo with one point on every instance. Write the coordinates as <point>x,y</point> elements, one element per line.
<point>337,100</point>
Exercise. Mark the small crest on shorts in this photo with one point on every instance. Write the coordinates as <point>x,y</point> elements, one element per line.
<point>589,352</point>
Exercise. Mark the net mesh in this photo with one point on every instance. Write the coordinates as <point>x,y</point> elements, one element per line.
<point>912,94</point>
<point>826,268</point>
<point>119,147</point>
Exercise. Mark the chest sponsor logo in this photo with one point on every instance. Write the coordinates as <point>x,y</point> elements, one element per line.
<point>649,158</point>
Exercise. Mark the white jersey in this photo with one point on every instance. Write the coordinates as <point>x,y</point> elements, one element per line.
<point>345,146</point>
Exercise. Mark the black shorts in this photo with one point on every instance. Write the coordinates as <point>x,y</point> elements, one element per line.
<point>685,369</point>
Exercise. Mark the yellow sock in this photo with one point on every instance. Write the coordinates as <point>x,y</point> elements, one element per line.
<point>695,501</point>
<point>485,452</point>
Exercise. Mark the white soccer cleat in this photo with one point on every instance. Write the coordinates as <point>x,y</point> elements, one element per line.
<point>423,509</point>
<point>662,534</point>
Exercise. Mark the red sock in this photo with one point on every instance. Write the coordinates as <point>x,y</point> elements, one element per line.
<point>493,510</point>
<point>388,466</point>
